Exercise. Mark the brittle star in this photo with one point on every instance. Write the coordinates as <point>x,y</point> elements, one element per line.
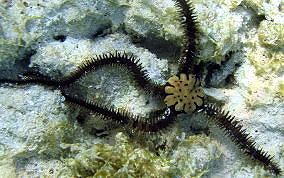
<point>181,94</point>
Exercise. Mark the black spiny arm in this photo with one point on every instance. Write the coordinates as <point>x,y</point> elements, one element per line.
<point>235,130</point>
<point>189,23</point>
<point>132,64</point>
<point>158,122</point>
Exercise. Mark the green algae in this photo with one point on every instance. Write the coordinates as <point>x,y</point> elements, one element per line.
<point>256,5</point>
<point>27,24</point>
<point>281,89</point>
<point>271,34</point>
<point>192,158</point>
<point>271,10</point>
<point>119,160</point>
<point>98,159</point>
<point>232,4</point>
<point>7,168</point>
<point>265,60</point>
<point>49,143</point>
<point>218,29</point>
<point>265,53</point>
<point>157,21</point>
<point>195,155</point>
<point>119,3</point>
<point>268,64</point>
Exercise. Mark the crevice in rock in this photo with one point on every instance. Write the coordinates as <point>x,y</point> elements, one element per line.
<point>222,76</point>
<point>11,69</point>
<point>60,38</point>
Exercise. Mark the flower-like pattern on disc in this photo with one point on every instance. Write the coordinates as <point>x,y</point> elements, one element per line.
<point>184,92</point>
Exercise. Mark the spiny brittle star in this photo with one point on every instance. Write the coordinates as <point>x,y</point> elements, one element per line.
<point>182,93</point>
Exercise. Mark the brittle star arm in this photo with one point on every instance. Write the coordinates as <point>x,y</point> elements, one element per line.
<point>238,134</point>
<point>189,23</point>
<point>156,123</point>
<point>132,64</point>
<point>186,95</point>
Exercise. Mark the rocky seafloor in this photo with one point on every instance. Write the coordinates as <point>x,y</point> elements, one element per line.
<point>241,47</point>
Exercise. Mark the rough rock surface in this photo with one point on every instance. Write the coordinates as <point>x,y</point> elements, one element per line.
<point>241,46</point>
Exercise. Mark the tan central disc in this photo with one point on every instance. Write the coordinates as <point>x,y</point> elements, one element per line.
<point>184,92</point>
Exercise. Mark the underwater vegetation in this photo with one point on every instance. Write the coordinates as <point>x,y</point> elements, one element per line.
<point>119,160</point>
<point>181,94</point>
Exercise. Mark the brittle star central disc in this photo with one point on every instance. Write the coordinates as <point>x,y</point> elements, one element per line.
<point>184,92</point>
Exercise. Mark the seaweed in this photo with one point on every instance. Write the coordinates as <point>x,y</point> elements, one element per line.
<point>186,94</point>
